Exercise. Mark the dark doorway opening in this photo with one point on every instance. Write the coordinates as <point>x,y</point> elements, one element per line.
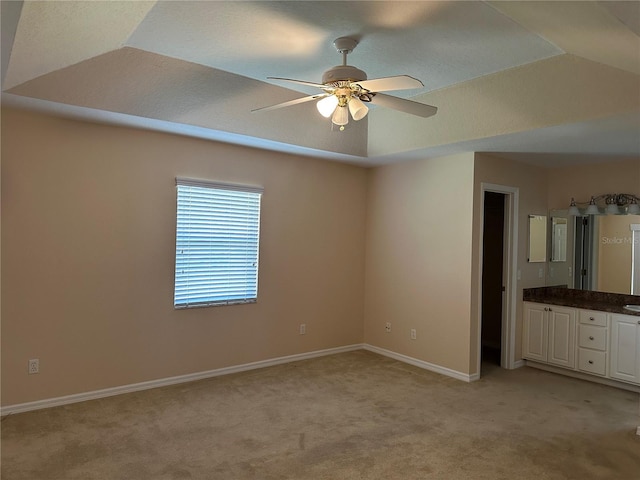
<point>583,253</point>
<point>492,277</point>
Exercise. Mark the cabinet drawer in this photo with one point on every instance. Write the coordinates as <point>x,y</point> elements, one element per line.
<point>592,361</point>
<point>592,337</point>
<point>591,317</point>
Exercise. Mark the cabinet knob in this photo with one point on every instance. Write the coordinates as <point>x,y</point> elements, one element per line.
<point>591,362</point>
<point>591,318</point>
<point>546,309</point>
<point>550,309</point>
<point>591,338</point>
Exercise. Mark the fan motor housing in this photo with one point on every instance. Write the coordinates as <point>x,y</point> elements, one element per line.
<point>343,72</point>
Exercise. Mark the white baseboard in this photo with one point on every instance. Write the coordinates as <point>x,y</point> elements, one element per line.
<point>163,382</point>
<point>519,364</point>
<point>422,364</point>
<point>135,387</point>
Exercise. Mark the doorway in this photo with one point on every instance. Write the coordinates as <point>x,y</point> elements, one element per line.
<point>497,278</point>
<point>584,265</point>
<point>493,285</point>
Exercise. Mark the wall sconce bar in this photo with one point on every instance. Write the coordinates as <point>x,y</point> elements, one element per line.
<point>608,204</point>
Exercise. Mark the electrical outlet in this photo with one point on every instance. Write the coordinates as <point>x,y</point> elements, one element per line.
<point>303,329</point>
<point>387,327</point>
<point>414,334</point>
<point>34,366</point>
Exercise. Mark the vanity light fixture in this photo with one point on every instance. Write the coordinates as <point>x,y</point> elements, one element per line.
<point>609,204</point>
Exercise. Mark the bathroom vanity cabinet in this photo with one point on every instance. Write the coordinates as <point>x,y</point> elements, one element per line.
<point>593,344</point>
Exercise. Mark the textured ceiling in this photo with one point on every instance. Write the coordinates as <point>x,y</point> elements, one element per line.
<point>503,74</point>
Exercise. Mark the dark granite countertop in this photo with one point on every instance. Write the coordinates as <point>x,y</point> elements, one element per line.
<point>569,297</point>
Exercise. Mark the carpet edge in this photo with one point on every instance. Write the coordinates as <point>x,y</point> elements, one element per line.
<point>163,382</point>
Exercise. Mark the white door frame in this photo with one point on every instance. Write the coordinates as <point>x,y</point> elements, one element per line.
<point>635,258</point>
<point>510,275</point>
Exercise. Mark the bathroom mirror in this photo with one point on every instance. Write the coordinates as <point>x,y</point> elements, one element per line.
<point>600,253</point>
<point>614,253</point>
<point>537,238</point>
<point>559,239</point>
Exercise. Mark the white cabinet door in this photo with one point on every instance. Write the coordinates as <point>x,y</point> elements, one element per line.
<point>535,332</point>
<point>562,336</point>
<point>625,348</point>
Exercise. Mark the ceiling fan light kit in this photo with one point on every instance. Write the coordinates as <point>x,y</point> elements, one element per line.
<point>340,116</point>
<point>327,105</point>
<point>346,89</point>
<point>357,108</point>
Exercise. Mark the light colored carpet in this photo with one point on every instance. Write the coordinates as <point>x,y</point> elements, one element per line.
<point>349,416</point>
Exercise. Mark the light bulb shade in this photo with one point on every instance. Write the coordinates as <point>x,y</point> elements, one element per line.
<point>592,209</point>
<point>341,116</point>
<point>357,108</point>
<point>612,209</point>
<point>633,209</point>
<point>327,105</point>
<point>573,210</point>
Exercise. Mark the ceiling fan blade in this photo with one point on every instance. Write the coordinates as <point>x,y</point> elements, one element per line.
<point>301,82</point>
<point>291,102</point>
<point>403,105</point>
<point>400,82</point>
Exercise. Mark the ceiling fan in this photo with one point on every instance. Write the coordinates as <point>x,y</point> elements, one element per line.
<point>345,89</point>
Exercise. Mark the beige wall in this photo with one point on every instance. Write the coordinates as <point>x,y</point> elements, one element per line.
<point>532,191</point>
<point>418,259</point>
<point>88,232</point>
<point>586,180</point>
<point>88,245</point>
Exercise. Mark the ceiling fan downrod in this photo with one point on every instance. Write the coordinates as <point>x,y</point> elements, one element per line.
<point>344,72</point>
<point>345,46</point>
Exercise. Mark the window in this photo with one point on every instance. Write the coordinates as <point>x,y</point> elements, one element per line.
<point>217,234</point>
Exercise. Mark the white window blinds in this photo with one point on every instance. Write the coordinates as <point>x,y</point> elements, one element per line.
<point>217,235</point>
